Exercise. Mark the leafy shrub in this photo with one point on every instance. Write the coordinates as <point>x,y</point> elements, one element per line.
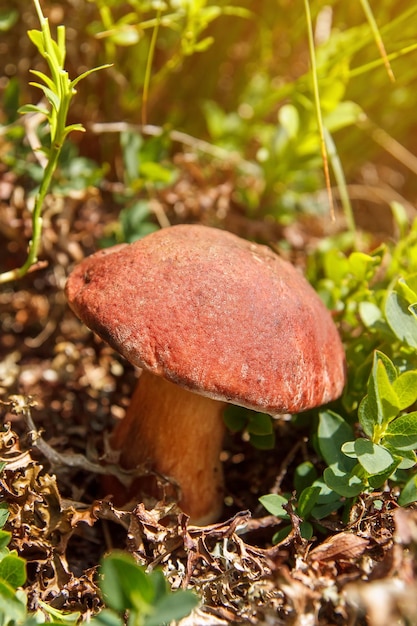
<point>373,443</point>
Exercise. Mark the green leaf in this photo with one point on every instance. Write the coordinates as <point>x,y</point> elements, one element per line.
<point>327,502</point>
<point>125,585</point>
<point>235,418</point>
<point>13,570</point>
<point>382,403</point>
<point>78,127</point>
<point>281,534</point>
<point>406,389</point>
<point>55,50</point>
<point>401,321</point>
<point>12,606</point>
<point>388,365</point>
<point>361,265</point>
<point>401,434</point>
<point>262,442</point>
<point>348,448</point>
<point>336,265</point>
<point>345,114</point>
<point>4,515</point>
<point>5,535</point>
<point>375,459</point>
<point>36,38</point>
<point>408,494</point>
<point>172,607</point>
<point>306,530</point>
<point>370,314</point>
<point>386,397</point>
<point>377,480</point>
<point>67,618</point>
<point>273,503</point>
<point>307,500</point>
<point>321,511</point>
<point>260,424</point>
<point>405,290</point>
<point>203,44</point>
<point>408,458</point>
<point>333,432</point>
<point>88,72</point>
<point>368,416</point>
<point>348,485</point>
<point>32,108</point>
<point>48,81</point>
<point>52,98</point>
<point>304,476</point>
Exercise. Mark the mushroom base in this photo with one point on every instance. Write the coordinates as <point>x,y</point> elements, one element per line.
<point>177,434</point>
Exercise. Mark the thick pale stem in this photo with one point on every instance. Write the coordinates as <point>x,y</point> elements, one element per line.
<point>178,434</point>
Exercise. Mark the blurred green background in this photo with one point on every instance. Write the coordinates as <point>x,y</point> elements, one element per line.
<point>236,75</point>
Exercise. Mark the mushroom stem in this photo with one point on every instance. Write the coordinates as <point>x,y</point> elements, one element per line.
<point>179,434</point>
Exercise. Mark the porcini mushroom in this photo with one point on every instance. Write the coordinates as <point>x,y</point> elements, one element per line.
<point>210,318</point>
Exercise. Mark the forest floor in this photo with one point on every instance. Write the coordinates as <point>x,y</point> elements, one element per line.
<point>62,389</point>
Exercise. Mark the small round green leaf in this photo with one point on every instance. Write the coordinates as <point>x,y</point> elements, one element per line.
<point>348,448</point>
<point>273,504</point>
<point>333,432</point>
<point>307,500</point>
<point>375,459</point>
<point>13,570</point>
<point>406,388</point>
<point>347,484</point>
<point>401,434</point>
<point>409,493</point>
<point>124,584</point>
<point>305,474</point>
<point>402,322</point>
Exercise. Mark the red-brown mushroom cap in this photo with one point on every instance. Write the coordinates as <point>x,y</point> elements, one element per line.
<point>216,314</point>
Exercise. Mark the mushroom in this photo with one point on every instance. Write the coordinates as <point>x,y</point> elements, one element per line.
<point>210,318</point>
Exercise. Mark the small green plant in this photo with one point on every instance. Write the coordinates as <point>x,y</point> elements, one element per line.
<point>145,598</point>
<point>58,90</point>
<point>381,451</point>
<point>370,442</point>
<point>313,502</point>
<point>388,433</point>
<point>373,296</point>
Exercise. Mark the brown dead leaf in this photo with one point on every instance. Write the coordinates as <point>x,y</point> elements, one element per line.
<point>343,546</point>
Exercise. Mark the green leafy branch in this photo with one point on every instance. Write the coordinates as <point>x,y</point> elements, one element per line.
<point>384,451</point>
<point>389,432</point>
<point>58,91</point>
<point>375,296</point>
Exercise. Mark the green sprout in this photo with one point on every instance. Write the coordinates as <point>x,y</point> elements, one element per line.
<point>58,90</point>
